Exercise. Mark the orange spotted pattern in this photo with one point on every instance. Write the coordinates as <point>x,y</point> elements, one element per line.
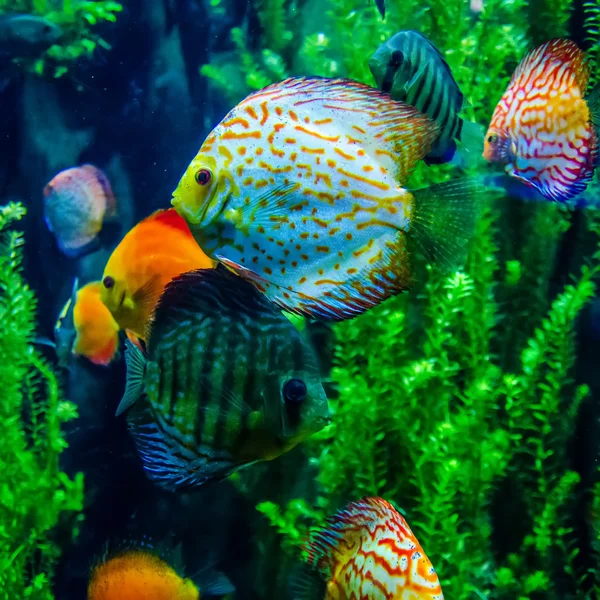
<point>368,552</point>
<point>541,129</point>
<point>305,199</point>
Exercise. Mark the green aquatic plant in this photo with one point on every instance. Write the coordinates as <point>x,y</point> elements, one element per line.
<point>34,494</point>
<point>77,19</point>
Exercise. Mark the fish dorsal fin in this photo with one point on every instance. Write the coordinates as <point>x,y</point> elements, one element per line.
<point>208,292</point>
<point>136,367</point>
<point>347,526</point>
<point>561,51</point>
<point>394,133</point>
<point>170,218</point>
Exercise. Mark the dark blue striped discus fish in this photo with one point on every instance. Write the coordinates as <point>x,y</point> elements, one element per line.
<point>227,381</point>
<point>412,70</point>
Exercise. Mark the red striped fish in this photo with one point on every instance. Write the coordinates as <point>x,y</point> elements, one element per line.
<point>543,127</point>
<point>299,190</point>
<point>368,551</point>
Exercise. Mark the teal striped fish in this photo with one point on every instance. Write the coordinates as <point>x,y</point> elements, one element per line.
<point>412,70</point>
<point>227,381</point>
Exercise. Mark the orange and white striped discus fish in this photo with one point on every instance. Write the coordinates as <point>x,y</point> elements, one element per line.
<point>367,550</point>
<point>299,190</point>
<point>543,127</point>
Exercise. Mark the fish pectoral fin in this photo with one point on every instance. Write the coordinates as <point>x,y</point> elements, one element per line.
<point>147,293</point>
<point>136,367</point>
<point>272,208</point>
<point>443,221</point>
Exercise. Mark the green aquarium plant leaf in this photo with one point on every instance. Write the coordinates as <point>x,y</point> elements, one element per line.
<point>34,494</point>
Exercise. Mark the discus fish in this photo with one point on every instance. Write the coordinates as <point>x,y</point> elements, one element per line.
<point>367,550</point>
<point>412,70</point>
<point>26,36</point>
<point>228,381</point>
<point>544,129</point>
<point>86,328</point>
<point>76,203</point>
<point>138,573</point>
<point>299,191</point>
<point>148,257</point>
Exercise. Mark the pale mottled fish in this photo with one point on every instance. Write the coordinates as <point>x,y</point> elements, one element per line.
<point>227,382</point>
<point>77,202</point>
<point>412,70</point>
<point>299,190</point>
<point>544,128</point>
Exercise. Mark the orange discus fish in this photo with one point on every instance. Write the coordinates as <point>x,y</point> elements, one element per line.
<point>155,251</point>
<point>367,550</point>
<point>76,204</point>
<point>543,128</point>
<point>139,574</point>
<point>85,327</point>
<point>299,190</point>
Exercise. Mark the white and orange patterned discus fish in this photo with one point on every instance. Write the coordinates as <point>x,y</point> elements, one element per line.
<point>367,550</point>
<point>543,127</point>
<point>299,190</point>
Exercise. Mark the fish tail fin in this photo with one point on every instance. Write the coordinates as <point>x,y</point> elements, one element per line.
<point>444,219</point>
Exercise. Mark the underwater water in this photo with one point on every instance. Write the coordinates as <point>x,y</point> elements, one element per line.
<point>335,338</point>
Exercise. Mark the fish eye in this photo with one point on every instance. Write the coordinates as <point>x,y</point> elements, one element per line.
<point>294,391</point>
<point>108,282</point>
<point>203,176</point>
<point>492,139</point>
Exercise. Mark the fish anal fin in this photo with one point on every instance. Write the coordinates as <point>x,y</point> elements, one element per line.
<point>136,367</point>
